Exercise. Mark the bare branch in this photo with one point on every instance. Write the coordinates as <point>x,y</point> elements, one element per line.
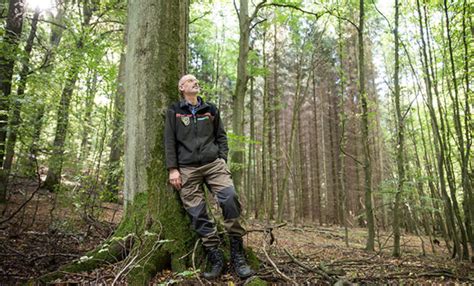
<point>257,8</point>
<point>200,17</point>
<point>253,26</point>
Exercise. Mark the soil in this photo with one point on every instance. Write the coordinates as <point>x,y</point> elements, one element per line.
<point>54,229</point>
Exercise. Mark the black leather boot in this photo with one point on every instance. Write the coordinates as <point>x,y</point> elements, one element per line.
<point>237,257</point>
<point>214,256</point>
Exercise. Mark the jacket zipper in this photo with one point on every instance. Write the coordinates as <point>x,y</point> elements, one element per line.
<point>196,136</point>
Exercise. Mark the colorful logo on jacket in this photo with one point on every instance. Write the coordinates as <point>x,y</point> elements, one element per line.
<point>186,120</point>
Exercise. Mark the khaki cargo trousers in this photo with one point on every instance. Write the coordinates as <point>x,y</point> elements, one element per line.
<point>217,177</point>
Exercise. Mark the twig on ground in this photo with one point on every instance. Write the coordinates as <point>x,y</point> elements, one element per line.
<point>123,269</point>
<point>194,264</point>
<point>317,270</point>
<point>275,266</point>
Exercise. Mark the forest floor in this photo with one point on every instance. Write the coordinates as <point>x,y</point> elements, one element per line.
<point>48,232</point>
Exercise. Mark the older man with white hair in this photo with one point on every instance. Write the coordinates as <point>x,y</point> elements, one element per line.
<point>196,153</point>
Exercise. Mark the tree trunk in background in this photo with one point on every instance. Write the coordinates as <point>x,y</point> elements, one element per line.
<point>316,185</point>
<point>369,212</point>
<point>342,140</point>
<point>55,162</point>
<point>400,149</point>
<point>11,39</point>
<point>16,106</point>
<point>438,141</point>
<point>55,39</point>
<point>276,120</point>
<point>53,177</point>
<point>250,187</point>
<point>114,169</point>
<point>87,118</point>
<point>237,155</point>
<point>263,201</point>
<point>333,160</point>
<point>9,46</point>
<point>464,153</point>
<point>469,194</point>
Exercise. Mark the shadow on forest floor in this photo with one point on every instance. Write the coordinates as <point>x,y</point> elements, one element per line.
<point>48,233</point>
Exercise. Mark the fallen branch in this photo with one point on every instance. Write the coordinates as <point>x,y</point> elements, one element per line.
<point>275,266</point>
<point>317,270</point>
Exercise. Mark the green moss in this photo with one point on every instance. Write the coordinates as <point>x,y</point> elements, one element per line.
<point>257,282</point>
<point>252,259</point>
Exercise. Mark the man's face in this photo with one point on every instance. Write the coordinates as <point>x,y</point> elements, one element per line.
<point>189,85</point>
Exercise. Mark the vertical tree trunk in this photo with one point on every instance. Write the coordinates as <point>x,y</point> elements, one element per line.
<point>251,152</point>
<point>114,169</point>
<point>265,130</point>
<point>16,106</point>
<point>400,150</point>
<point>87,117</point>
<point>11,38</point>
<point>237,155</point>
<point>55,162</point>
<point>469,194</point>
<point>438,141</point>
<point>55,39</point>
<point>466,182</point>
<point>53,177</point>
<point>365,134</point>
<point>333,160</point>
<point>13,29</point>
<point>316,181</point>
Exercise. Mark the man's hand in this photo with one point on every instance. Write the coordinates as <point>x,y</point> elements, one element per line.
<point>175,179</point>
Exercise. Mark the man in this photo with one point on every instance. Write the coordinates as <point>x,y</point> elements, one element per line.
<point>196,153</point>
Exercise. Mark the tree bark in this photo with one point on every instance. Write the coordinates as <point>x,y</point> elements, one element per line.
<point>400,150</point>
<point>365,133</point>
<point>11,38</point>
<point>114,169</point>
<point>16,118</point>
<point>237,155</point>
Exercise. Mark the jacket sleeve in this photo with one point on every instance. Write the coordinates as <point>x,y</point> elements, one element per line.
<point>221,136</point>
<point>170,139</point>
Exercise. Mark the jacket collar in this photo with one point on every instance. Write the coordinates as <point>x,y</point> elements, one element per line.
<point>183,103</point>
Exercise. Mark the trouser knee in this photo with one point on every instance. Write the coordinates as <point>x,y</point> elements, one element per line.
<point>200,220</point>
<point>229,203</point>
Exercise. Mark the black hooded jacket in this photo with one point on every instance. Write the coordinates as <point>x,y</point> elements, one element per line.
<point>194,140</point>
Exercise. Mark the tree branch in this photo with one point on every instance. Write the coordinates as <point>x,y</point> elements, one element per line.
<point>200,17</point>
